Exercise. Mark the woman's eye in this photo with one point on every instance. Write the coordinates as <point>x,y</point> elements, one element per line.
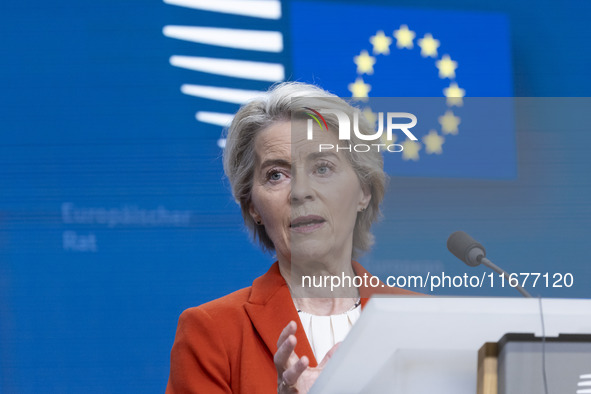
<point>275,175</point>
<point>323,169</point>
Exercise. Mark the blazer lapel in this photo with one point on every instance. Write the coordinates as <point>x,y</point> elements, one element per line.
<point>270,308</point>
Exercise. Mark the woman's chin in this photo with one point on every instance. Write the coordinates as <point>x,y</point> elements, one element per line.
<point>310,251</point>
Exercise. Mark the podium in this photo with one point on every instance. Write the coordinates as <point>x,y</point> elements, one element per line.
<point>419,345</point>
<point>518,362</point>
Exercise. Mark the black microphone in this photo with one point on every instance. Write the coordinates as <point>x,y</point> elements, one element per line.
<point>471,252</point>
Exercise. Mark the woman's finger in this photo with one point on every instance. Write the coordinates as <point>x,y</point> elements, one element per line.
<point>290,329</point>
<point>292,374</point>
<point>285,352</point>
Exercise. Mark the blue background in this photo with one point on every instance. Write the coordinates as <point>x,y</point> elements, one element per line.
<point>91,114</point>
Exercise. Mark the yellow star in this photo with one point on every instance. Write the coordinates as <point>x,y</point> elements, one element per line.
<point>370,116</point>
<point>433,142</point>
<point>381,43</point>
<point>454,94</point>
<point>447,67</point>
<point>428,46</point>
<point>364,63</point>
<point>359,88</point>
<point>449,123</point>
<point>410,150</point>
<point>404,37</point>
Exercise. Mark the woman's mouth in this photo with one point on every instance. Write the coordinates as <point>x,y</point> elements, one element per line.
<point>306,224</point>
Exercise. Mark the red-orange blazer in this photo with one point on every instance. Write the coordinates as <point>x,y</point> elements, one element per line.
<point>227,345</point>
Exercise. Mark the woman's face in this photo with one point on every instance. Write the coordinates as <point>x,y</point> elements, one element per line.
<point>307,200</point>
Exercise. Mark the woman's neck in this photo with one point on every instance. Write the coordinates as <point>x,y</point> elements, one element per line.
<point>321,289</point>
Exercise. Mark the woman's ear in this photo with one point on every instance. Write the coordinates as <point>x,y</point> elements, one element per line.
<point>365,199</point>
<point>254,214</point>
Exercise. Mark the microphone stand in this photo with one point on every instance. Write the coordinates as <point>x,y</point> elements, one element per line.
<point>501,271</point>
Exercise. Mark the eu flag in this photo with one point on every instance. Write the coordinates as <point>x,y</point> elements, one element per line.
<point>463,58</point>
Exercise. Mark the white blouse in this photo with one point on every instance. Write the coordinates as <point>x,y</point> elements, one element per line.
<point>324,332</point>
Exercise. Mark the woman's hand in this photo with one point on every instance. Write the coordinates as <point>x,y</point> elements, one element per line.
<point>293,373</point>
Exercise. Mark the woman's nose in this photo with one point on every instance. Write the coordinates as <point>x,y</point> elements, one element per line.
<point>301,189</point>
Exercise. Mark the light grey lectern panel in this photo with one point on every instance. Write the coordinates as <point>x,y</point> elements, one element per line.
<point>418,345</point>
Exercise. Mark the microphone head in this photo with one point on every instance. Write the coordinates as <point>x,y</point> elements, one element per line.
<point>466,248</point>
